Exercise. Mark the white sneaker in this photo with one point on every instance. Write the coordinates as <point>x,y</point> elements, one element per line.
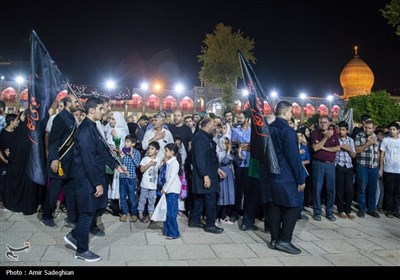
<point>226,221</point>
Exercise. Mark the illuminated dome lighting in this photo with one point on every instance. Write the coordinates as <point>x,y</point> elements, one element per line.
<point>356,77</point>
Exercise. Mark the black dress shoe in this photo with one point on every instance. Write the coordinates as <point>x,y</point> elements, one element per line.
<point>195,225</point>
<point>244,227</point>
<point>213,229</point>
<point>374,214</point>
<point>287,247</point>
<point>272,244</point>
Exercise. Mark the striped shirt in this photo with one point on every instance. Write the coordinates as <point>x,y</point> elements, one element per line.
<point>369,157</point>
<point>343,157</point>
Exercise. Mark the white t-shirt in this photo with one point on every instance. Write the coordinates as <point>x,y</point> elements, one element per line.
<point>391,147</point>
<point>150,176</point>
<point>49,124</point>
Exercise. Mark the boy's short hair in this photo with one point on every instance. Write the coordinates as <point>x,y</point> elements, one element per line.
<point>131,137</point>
<point>155,145</point>
<point>395,124</point>
<point>178,138</point>
<point>92,103</point>
<point>144,118</point>
<point>344,124</point>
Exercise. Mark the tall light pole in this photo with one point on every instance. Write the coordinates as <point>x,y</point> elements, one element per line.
<point>303,96</point>
<point>144,87</point>
<point>179,88</point>
<point>274,97</point>
<point>158,88</point>
<point>110,85</point>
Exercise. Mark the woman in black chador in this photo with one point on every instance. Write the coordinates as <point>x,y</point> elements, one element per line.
<point>20,194</point>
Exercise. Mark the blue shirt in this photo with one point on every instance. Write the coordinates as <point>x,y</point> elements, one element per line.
<point>306,155</point>
<point>240,136</point>
<point>131,164</point>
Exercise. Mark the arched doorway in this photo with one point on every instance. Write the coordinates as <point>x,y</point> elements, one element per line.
<point>136,102</point>
<point>186,104</point>
<point>152,103</point>
<point>9,94</point>
<point>169,103</point>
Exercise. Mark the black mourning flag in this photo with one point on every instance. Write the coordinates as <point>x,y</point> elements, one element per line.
<point>46,82</point>
<point>261,145</point>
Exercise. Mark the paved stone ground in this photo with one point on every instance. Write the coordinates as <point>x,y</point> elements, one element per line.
<point>358,242</point>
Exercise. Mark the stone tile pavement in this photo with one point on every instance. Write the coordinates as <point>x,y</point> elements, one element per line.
<point>358,242</point>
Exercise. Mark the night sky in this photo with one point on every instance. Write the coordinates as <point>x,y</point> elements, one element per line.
<point>299,45</point>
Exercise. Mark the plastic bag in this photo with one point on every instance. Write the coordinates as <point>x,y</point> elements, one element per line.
<point>160,212</point>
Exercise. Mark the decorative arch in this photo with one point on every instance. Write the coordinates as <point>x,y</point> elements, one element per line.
<point>24,95</point>
<point>61,95</point>
<point>335,111</point>
<point>186,104</point>
<point>323,110</point>
<point>296,109</point>
<point>136,101</point>
<point>199,104</point>
<point>309,110</point>
<point>267,108</point>
<point>169,103</point>
<point>153,102</point>
<point>9,94</point>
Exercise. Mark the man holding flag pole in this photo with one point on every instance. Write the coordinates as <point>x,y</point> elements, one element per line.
<point>47,81</point>
<point>275,163</point>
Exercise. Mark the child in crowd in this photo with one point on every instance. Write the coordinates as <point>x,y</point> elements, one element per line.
<point>305,159</point>
<point>130,157</point>
<point>182,177</point>
<point>149,167</point>
<point>226,196</point>
<point>172,189</point>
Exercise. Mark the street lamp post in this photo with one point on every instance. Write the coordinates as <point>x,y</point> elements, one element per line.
<point>274,97</point>
<point>179,90</point>
<point>144,87</point>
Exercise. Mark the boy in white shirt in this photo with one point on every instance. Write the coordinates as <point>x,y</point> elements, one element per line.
<point>149,167</point>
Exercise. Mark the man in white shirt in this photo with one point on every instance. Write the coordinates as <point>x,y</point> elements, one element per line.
<point>158,134</point>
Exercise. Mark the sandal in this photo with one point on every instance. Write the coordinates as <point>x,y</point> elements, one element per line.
<point>144,219</point>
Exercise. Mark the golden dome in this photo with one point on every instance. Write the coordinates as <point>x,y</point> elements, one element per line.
<point>356,77</point>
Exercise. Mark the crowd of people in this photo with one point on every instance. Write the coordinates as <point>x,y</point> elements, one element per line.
<point>202,166</point>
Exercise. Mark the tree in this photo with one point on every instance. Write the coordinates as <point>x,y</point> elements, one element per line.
<point>220,60</point>
<point>379,105</point>
<point>391,13</point>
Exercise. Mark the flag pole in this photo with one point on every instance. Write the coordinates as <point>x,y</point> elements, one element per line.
<point>104,141</point>
<point>73,92</point>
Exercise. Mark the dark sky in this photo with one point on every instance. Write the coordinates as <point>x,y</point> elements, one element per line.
<point>299,45</point>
